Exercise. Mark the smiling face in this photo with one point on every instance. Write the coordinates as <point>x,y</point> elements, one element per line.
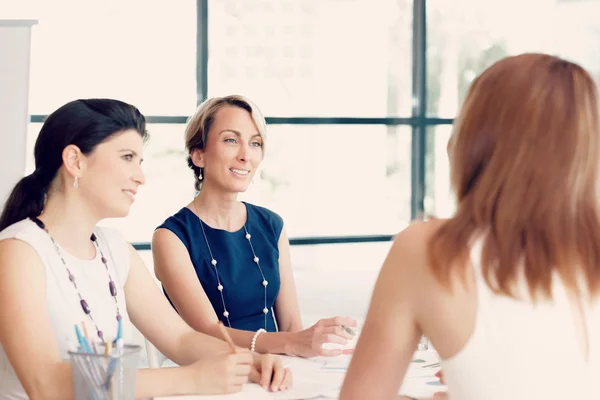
<point>113,173</point>
<point>233,151</point>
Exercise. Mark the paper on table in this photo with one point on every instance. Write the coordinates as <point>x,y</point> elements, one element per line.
<point>336,364</point>
<point>305,389</point>
<point>421,366</point>
<point>420,387</point>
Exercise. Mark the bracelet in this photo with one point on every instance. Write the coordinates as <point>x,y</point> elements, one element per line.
<point>258,332</point>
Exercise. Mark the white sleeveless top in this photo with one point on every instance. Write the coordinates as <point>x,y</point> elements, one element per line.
<point>522,351</point>
<point>61,297</point>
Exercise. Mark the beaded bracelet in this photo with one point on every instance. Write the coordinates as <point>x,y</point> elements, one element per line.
<point>258,332</point>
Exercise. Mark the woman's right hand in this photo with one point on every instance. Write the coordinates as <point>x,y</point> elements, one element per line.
<point>221,374</point>
<point>309,342</point>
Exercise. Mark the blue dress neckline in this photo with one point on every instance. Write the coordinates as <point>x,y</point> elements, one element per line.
<point>219,229</point>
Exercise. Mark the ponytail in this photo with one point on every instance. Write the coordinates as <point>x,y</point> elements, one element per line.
<point>82,123</point>
<point>26,200</point>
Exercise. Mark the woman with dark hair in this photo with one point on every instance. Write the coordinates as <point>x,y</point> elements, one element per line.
<point>57,268</point>
<point>507,289</point>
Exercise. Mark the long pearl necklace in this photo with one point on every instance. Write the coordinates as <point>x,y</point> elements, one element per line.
<point>220,286</point>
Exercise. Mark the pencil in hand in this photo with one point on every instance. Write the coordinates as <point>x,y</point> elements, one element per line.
<point>227,337</point>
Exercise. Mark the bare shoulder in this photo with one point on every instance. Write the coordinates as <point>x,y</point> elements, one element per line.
<point>19,261</point>
<point>406,262</point>
<point>161,234</point>
<point>412,242</point>
<point>16,251</point>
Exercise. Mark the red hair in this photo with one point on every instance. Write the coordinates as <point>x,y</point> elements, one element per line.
<point>524,167</point>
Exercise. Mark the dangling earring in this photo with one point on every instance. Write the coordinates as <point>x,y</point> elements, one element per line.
<point>199,175</point>
<point>76,182</point>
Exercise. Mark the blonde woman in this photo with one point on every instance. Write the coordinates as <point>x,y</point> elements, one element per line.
<point>222,259</point>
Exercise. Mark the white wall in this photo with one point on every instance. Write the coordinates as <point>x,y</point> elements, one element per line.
<point>15,42</point>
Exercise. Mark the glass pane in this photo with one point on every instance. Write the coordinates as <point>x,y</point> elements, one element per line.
<point>439,200</point>
<point>336,179</point>
<point>466,36</point>
<point>142,52</point>
<point>313,57</point>
<point>169,183</point>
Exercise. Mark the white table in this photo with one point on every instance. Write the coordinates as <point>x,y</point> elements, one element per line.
<point>322,377</point>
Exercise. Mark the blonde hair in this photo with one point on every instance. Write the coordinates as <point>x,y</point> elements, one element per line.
<point>524,167</point>
<point>199,124</point>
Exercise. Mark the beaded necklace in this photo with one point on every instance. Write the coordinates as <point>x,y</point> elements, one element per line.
<point>264,283</point>
<point>111,284</point>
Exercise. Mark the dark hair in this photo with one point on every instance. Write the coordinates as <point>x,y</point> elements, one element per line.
<point>83,123</point>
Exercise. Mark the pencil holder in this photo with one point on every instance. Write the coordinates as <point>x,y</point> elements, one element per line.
<point>100,376</point>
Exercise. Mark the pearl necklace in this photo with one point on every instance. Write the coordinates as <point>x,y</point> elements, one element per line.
<point>220,286</point>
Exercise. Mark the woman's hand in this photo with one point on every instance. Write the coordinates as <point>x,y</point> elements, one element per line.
<point>269,372</point>
<point>221,374</point>
<point>309,342</point>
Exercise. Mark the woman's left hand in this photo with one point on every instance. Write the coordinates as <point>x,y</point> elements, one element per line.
<point>268,371</point>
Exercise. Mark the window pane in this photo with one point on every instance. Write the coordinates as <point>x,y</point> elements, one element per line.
<point>439,200</point>
<point>313,57</point>
<point>466,36</point>
<point>169,183</point>
<point>142,52</point>
<point>336,179</point>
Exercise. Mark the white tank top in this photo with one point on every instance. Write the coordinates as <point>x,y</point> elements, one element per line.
<point>61,297</point>
<point>522,351</point>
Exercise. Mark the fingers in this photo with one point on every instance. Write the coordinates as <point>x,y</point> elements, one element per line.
<point>242,358</point>
<point>254,375</point>
<point>339,331</point>
<point>440,375</point>
<point>330,352</point>
<point>288,379</point>
<point>266,371</point>
<point>278,374</point>
<point>337,321</point>
<point>331,338</point>
<point>242,370</point>
<point>239,380</point>
<point>347,351</point>
<point>235,388</point>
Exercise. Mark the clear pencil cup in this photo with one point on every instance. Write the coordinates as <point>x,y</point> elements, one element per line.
<point>100,376</point>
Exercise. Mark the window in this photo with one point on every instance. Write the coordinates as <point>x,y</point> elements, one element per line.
<point>336,179</point>
<point>316,58</point>
<point>467,36</point>
<point>141,52</point>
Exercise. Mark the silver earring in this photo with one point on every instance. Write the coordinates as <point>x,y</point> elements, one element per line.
<point>76,182</point>
<point>199,176</point>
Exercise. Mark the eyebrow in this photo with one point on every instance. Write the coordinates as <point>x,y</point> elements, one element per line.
<point>238,134</point>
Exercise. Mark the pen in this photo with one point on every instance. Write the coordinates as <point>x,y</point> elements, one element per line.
<point>83,343</point>
<point>349,330</point>
<point>227,337</point>
<point>108,348</point>
<point>87,337</point>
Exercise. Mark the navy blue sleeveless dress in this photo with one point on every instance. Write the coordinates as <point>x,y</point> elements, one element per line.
<point>243,291</point>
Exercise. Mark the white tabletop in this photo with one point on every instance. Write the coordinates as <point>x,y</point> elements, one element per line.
<point>322,377</point>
